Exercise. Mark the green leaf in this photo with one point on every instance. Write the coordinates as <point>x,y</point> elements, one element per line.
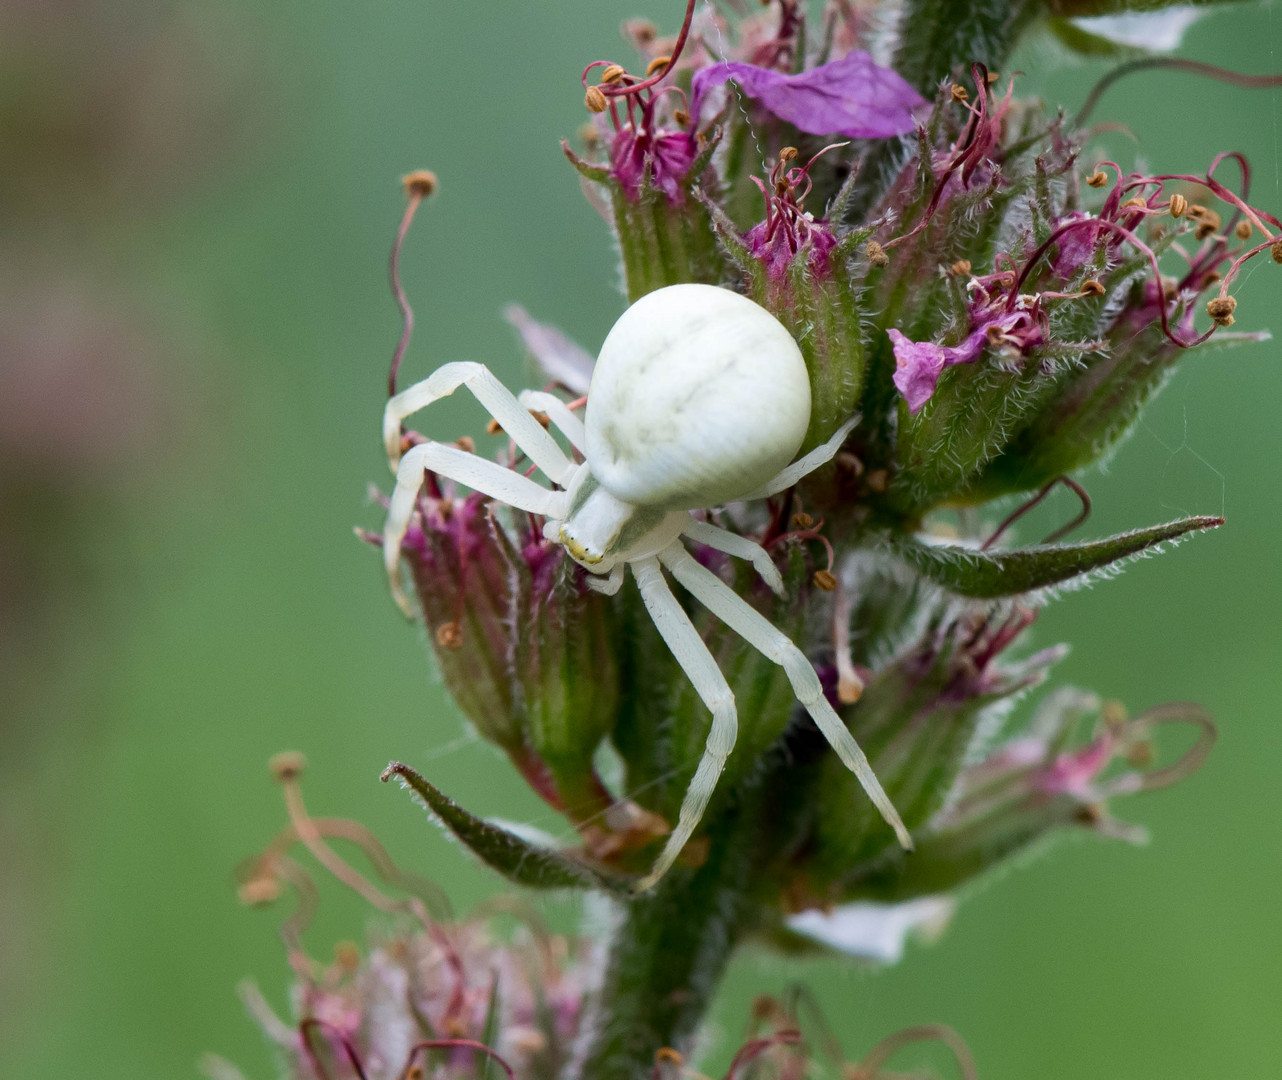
<point>990,574</point>
<point>1084,43</point>
<point>1079,8</point>
<point>943,37</point>
<point>516,859</point>
<point>589,171</point>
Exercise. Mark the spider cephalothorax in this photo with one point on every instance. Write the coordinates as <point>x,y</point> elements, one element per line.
<point>699,397</point>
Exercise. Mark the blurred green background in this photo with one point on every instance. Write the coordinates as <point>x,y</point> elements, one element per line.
<point>198,201</point>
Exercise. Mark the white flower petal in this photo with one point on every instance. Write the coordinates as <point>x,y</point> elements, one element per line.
<point>1154,31</point>
<point>876,932</point>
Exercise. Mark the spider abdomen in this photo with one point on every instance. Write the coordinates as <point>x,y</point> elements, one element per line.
<point>699,396</point>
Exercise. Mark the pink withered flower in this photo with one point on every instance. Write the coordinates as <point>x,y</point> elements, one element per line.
<point>993,324</point>
<point>788,227</point>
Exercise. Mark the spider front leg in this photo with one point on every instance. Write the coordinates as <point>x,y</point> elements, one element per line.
<point>696,661</point>
<point>728,606</point>
<point>738,546</point>
<point>487,477</point>
<point>559,413</point>
<point>820,455</point>
<point>511,415</point>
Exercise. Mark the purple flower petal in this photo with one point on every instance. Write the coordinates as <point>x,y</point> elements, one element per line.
<point>852,96</point>
<point>918,364</point>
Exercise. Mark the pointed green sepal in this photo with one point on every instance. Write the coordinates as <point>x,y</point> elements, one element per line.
<point>992,574</point>
<point>586,169</point>
<point>521,862</point>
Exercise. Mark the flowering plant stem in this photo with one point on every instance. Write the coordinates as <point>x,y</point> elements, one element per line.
<point>669,951</point>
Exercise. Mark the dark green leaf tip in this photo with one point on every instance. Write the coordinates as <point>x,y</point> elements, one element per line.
<point>516,859</point>
<point>992,574</point>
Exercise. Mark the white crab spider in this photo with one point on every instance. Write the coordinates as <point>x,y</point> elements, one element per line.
<point>699,397</point>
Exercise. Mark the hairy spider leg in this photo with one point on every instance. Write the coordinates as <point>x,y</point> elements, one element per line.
<point>803,466</point>
<point>697,662</point>
<point>488,477</point>
<point>511,415</point>
<point>728,606</point>
<point>559,413</point>
<point>738,546</point>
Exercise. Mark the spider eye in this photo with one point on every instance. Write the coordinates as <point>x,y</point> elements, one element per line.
<point>699,396</point>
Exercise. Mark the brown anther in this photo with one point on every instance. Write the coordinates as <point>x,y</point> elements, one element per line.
<point>1275,249</point>
<point>416,1073</point>
<point>1092,815</point>
<point>466,443</point>
<point>1091,287</point>
<point>681,117</point>
<point>542,418</point>
<point>1242,230</point>
<point>1197,210</point>
<point>995,334</point>
<point>419,184</point>
<point>876,254</point>
<point>347,956</point>
<point>657,64</point>
<point>449,635</point>
<point>613,73</point>
<point>407,443</point>
<point>1137,203</point>
<point>595,100</point>
<point>961,268</point>
<point>993,76</point>
<point>259,891</point>
<point>1113,714</point>
<point>958,93</point>
<point>287,766</point>
<point>850,690</point>
<point>493,428</point>
<point>665,1055</point>
<point>788,153</point>
<point>1170,286</point>
<point>1207,226</point>
<point>1178,205</point>
<point>589,136</point>
<point>825,581</point>
<point>1221,310</point>
<point>1210,278</point>
<point>1098,178</point>
<point>877,480</point>
<point>802,520</point>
